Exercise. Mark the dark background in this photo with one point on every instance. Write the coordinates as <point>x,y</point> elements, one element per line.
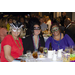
<point>16,13</point>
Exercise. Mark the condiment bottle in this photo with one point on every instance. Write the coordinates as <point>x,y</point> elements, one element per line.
<point>50,47</point>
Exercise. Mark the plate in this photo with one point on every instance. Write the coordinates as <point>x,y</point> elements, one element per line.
<point>41,58</point>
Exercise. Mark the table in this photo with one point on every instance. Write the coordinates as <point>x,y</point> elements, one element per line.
<point>45,59</point>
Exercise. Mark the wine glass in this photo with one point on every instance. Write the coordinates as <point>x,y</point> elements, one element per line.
<point>28,52</point>
<point>45,50</point>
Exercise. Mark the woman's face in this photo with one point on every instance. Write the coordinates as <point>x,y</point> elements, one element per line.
<point>22,20</point>
<point>36,30</point>
<point>55,30</point>
<point>16,32</point>
<point>10,20</point>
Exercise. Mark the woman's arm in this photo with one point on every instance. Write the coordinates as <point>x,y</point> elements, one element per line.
<point>69,40</point>
<point>7,53</point>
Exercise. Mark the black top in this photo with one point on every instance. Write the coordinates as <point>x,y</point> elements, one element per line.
<point>71,31</point>
<point>62,20</point>
<point>29,45</point>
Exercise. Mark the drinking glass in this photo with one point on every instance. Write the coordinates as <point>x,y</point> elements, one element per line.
<point>67,49</point>
<point>72,54</point>
<point>41,49</point>
<point>28,53</point>
<point>73,49</point>
<point>45,50</point>
<point>66,55</point>
<point>35,54</point>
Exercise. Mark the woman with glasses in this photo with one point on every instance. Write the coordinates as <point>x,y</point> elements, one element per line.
<point>35,40</point>
<point>58,40</point>
<point>11,46</point>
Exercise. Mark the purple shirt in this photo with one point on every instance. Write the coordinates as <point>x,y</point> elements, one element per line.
<point>66,41</point>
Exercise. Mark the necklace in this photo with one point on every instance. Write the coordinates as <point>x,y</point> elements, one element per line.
<point>17,44</point>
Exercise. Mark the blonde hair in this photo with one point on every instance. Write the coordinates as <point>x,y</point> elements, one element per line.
<point>21,33</point>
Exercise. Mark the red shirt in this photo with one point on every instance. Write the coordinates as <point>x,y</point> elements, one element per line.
<point>15,51</point>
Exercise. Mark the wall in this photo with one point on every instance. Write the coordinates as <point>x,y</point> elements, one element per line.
<point>41,13</point>
<point>69,14</point>
<point>35,13</point>
<point>56,14</point>
<point>45,13</point>
<point>73,16</point>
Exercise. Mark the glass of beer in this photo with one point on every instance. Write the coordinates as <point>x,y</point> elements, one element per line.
<point>41,49</point>
<point>35,54</point>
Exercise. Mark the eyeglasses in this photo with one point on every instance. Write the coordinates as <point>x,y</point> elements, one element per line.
<point>55,29</point>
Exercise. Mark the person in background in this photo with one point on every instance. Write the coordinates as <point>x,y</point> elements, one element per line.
<point>3,33</point>
<point>42,24</point>
<point>10,20</point>
<point>62,18</point>
<point>35,40</point>
<point>32,15</point>
<point>37,16</point>
<point>11,46</point>
<point>14,19</point>
<point>51,16</point>
<point>3,30</point>
<point>58,40</point>
<point>48,22</point>
<point>69,28</point>
<point>44,18</point>
<point>25,27</point>
<point>22,20</point>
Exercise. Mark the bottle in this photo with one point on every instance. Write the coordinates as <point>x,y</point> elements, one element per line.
<point>50,47</point>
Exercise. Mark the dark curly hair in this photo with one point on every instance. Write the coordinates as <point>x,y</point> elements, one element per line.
<point>34,21</point>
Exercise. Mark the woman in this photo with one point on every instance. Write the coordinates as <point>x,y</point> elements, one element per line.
<point>11,46</point>
<point>3,33</point>
<point>58,39</point>
<point>48,22</point>
<point>35,40</point>
<point>10,21</point>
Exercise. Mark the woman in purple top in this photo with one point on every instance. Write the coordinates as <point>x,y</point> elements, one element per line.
<point>58,40</point>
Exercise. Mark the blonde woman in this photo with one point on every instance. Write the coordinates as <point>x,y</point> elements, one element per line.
<point>11,46</point>
<point>48,22</point>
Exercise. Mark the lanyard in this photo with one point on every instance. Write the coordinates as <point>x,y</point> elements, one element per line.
<point>36,47</point>
<point>58,43</point>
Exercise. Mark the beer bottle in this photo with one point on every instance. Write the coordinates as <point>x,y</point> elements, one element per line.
<point>50,47</point>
